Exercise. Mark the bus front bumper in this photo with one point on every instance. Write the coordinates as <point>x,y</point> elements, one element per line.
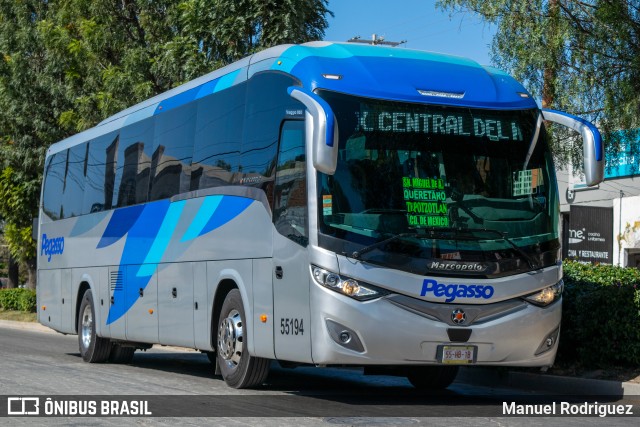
<point>378,332</point>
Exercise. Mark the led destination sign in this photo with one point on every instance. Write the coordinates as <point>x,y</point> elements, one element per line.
<point>456,124</point>
<point>425,201</point>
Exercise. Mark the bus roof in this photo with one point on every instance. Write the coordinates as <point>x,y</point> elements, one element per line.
<point>363,70</point>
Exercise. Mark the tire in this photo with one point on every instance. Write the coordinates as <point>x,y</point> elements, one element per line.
<point>121,355</point>
<point>211,355</point>
<point>93,349</point>
<point>238,368</point>
<point>432,377</point>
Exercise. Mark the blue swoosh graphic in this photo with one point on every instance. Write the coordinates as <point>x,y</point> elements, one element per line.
<point>149,229</point>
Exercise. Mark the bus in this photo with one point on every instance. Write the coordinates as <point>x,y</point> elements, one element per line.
<point>326,204</point>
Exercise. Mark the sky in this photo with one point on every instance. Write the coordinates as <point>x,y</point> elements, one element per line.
<point>419,22</point>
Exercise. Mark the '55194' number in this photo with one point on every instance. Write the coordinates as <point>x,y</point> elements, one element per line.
<point>291,326</point>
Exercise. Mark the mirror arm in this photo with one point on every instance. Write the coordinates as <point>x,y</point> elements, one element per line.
<point>325,129</point>
<point>592,146</point>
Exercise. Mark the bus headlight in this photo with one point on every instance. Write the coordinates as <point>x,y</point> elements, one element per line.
<point>345,285</point>
<point>547,295</point>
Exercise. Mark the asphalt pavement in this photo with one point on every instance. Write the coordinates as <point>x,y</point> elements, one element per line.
<point>488,377</point>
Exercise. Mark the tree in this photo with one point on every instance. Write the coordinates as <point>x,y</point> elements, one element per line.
<point>65,65</point>
<point>581,56</point>
<point>30,101</point>
<point>119,52</point>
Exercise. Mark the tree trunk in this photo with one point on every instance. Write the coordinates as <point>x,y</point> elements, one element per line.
<point>550,72</point>
<point>14,280</point>
<point>31,273</point>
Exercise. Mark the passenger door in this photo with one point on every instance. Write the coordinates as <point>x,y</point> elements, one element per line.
<point>292,329</point>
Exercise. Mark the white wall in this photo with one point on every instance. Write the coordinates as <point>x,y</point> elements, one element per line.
<point>626,227</point>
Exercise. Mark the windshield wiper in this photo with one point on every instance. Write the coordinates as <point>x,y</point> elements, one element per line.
<point>518,249</point>
<point>422,233</point>
<point>358,254</point>
<point>431,232</point>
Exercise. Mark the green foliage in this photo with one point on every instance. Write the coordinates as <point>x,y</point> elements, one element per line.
<point>66,65</point>
<point>21,245</point>
<point>601,316</point>
<point>15,193</point>
<point>577,56</point>
<point>18,299</point>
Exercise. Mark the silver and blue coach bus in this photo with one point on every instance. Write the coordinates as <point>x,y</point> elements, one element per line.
<point>325,204</point>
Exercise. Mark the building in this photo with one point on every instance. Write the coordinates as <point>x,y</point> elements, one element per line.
<point>602,224</point>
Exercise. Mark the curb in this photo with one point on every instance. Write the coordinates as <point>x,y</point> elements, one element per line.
<point>29,326</point>
<point>481,376</point>
<point>37,327</point>
<point>547,383</point>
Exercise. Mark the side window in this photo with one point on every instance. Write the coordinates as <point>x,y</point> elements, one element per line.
<point>172,150</point>
<point>101,172</point>
<point>218,135</point>
<point>54,185</point>
<point>290,195</point>
<point>73,193</point>
<point>268,103</point>
<point>133,164</point>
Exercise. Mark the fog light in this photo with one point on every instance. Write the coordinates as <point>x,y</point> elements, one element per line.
<point>344,336</point>
<point>548,342</point>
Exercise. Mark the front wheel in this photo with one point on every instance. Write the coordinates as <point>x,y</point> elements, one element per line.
<point>432,377</point>
<point>93,349</point>
<point>238,368</point>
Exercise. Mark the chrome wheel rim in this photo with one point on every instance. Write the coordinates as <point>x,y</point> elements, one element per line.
<point>87,326</point>
<point>230,339</point>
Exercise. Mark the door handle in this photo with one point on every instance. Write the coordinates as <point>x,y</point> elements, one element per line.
<point>279,272</point>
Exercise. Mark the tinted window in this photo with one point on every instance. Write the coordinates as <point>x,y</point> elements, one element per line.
<point>268,103</point>
<point>101,171</point>
<point>133,164</point>
<point>172,150</point>
<point>216,154</point>
<point>290,196</point>
<point>54,184</point>
<point>74,182</point>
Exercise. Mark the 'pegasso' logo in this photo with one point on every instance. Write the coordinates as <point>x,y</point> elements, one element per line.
<point>454,291</point>
<point>51,247</point>
<point>474,267</point>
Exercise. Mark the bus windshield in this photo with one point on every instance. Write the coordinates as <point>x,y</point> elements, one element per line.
<point>471,191</point>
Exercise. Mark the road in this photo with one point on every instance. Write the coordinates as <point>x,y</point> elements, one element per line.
<point>47,364</point>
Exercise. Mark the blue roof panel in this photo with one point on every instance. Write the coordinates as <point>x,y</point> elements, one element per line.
<point>398,74</point>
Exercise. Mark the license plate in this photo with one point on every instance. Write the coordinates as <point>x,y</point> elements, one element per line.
<point>457,354</point>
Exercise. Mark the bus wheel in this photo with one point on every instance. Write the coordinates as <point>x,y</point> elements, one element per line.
<point>93,348</point>
<point>432,377</point>
<point>121,355</point>
<point>238,368</point>
<point>212,356</point>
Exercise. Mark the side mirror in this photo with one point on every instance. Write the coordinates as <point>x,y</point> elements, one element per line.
<point>324,129</point>
<point>592,146</point>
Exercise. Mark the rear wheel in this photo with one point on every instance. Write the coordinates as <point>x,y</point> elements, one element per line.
<point>120,354</point>
<point>238,368</point>
<point>432,377</point>
<point>94,349</point>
